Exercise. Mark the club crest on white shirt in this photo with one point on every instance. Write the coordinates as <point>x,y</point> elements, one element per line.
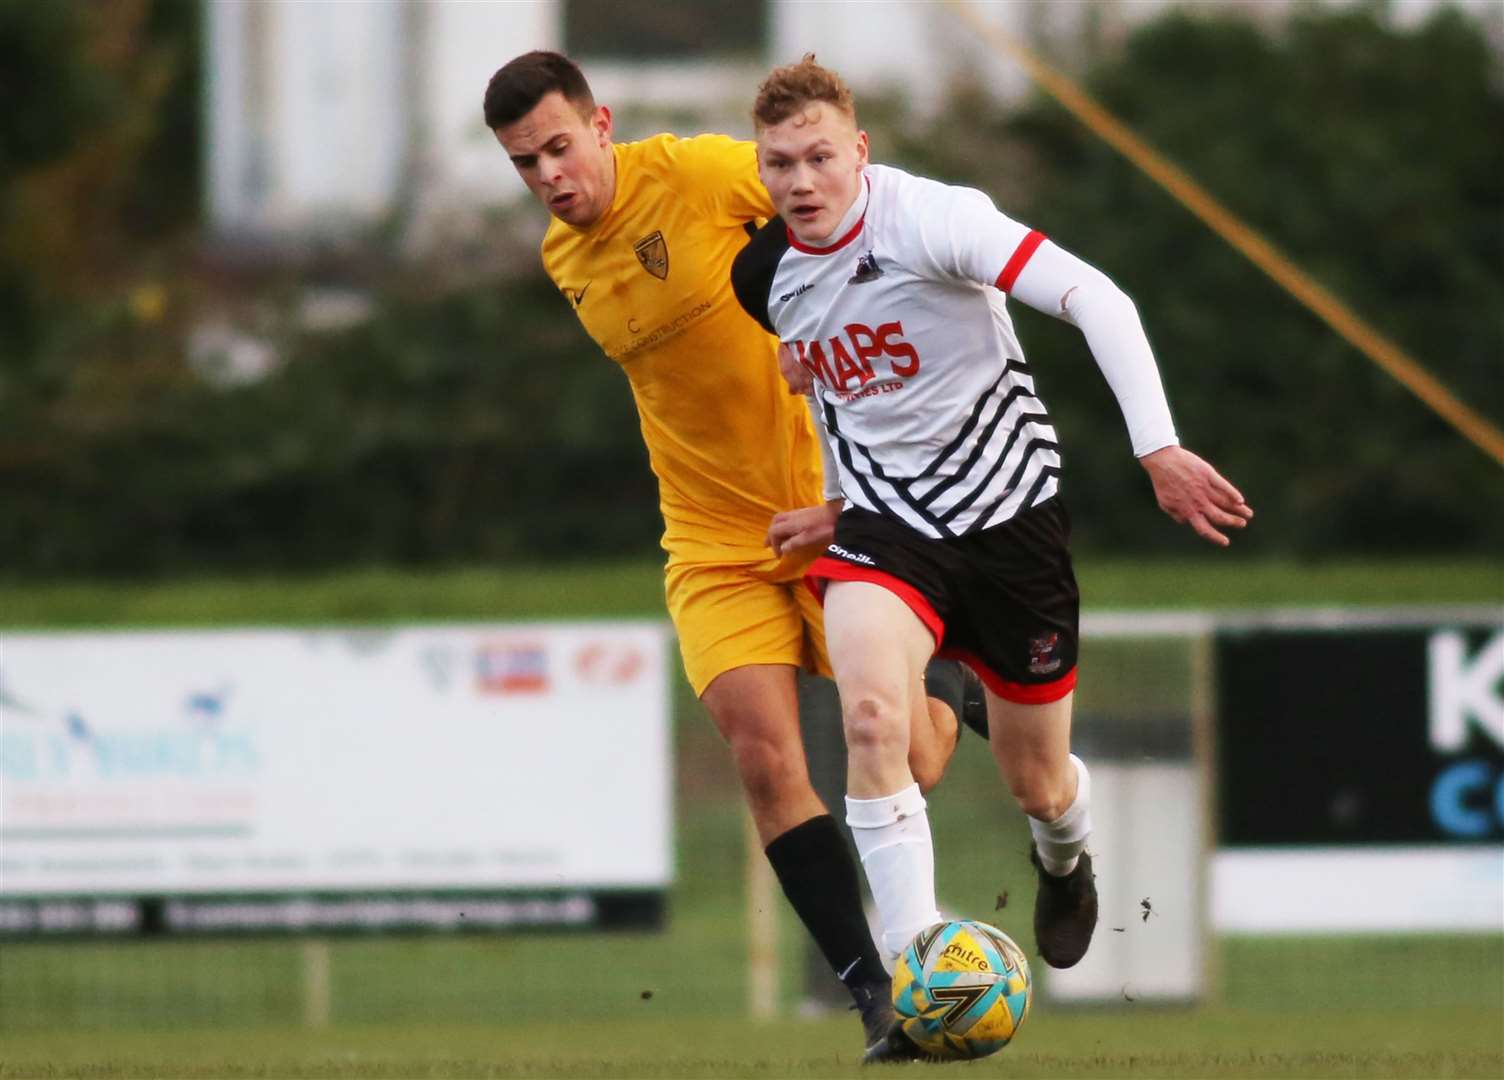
<point>866,270</point>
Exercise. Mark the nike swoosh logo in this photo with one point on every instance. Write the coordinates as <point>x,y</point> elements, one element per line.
<point>849,968</point>
<point>579,297</point>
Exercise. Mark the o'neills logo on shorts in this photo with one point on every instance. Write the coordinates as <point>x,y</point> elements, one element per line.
<point>851,556</point>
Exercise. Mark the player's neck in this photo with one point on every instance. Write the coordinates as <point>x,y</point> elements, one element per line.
<point>852,215</point>
<point>610,197</point>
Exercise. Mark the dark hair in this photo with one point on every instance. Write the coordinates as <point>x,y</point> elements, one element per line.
<point>790,88</point>
<point>523,82</point>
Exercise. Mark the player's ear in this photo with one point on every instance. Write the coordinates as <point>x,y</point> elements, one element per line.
<point>861,149</point>
<point>600,122</point>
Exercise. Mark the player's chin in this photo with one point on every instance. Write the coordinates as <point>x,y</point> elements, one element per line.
<point>805,224</point>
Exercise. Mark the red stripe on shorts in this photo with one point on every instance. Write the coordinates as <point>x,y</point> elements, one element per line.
<point>1021,693</point>
<point>826,569</point>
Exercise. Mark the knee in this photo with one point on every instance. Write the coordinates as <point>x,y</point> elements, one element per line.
<point>875,723</point>
<point>769,765</point>
<point>1043,797</point>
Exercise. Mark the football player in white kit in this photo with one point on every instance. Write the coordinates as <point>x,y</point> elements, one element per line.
<point>946,534</point>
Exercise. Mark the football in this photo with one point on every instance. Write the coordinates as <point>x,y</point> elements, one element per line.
<point>962,989</point>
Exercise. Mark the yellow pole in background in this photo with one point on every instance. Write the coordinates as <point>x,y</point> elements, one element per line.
<point>762,927</point>
<point>1383,352</point>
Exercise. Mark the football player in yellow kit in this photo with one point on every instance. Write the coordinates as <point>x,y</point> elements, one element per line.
<point>640,245</point>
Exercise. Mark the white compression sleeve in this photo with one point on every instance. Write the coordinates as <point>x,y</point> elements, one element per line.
<point>1059,284</point>
<point>829,470</point>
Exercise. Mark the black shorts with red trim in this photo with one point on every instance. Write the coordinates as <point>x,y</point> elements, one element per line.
<point>1003,600</point>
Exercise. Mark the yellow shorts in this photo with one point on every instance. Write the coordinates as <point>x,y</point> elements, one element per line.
<point>729,615</point>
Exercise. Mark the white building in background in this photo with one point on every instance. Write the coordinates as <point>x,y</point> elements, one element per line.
<point>325,119</point>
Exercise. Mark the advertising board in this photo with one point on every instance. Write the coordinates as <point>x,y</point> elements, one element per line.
<point>1361,777</point>
<point>439,777</point>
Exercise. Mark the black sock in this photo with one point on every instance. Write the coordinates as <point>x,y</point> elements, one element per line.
<point>818,875</point>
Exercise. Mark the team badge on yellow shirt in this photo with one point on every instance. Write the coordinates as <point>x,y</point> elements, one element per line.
<point>652,252</point>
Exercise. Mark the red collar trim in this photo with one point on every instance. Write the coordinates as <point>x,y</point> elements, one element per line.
<point>843,241</point>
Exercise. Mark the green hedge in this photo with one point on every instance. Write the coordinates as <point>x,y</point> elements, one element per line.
<point>480,425</point>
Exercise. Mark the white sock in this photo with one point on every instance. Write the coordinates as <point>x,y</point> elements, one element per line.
<point>1060,842</point>
<point>892,836</point>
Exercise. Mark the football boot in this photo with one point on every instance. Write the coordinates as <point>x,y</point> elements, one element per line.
<point>1065,911</point>
<point>874,1001</point>
<point>895,1047</point>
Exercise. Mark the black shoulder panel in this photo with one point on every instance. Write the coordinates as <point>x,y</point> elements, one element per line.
<point>753,269</point>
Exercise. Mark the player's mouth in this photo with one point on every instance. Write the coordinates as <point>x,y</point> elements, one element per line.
<point>806,212</point>
<point>563,201</point>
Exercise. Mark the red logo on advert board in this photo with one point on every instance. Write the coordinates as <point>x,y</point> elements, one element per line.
<point>608,663</point>
<point>511,668</point>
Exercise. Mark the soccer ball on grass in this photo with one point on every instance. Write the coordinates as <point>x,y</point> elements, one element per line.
<point>962,989</point>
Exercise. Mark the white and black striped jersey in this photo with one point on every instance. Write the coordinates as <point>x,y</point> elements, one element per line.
<point>925,394</point>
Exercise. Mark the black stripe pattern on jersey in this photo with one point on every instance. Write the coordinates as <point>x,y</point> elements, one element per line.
<point>1030,420</point>
<point>983,441</point>
<point>843,452</point>
<point>1034,444</point>
<point>1046,474</point>
<point>966,429</point>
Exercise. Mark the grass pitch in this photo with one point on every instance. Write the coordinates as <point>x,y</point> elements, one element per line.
<point>669,1005</point>
<point>635,589</point>
<point>1205,1042</point>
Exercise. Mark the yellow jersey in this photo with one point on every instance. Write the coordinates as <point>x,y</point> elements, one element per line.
<point>651,283</point>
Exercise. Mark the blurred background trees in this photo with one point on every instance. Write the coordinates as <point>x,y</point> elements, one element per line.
<point>466,417</point>
<point>1360,151</point>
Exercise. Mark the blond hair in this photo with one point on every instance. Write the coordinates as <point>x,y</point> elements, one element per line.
<point>790,88</point>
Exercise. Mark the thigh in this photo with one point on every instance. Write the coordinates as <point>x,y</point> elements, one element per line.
<point>878,647</point>
<point>729,616</point>
<point>755,701</point>
<point>872,633</point>
<point>880,551</point>
<point>1017,618</point>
